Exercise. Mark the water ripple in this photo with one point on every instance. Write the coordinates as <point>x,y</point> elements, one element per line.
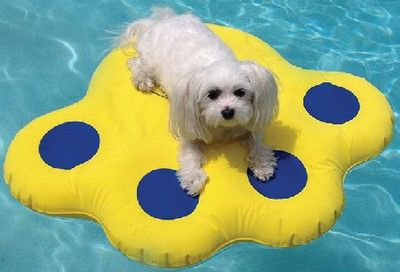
<point>74,56</point>
<point>377,189</point>
<point>348,236</point>
<point>7,76</point>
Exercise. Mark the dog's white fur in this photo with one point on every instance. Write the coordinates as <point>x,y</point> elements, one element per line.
<point>202,78</point>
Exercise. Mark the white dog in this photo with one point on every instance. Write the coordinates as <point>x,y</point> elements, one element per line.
<point>213,96</point>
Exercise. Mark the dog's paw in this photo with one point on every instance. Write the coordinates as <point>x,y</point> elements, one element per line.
<point>263,169</point>
<point>143,84</point>
<point>263,172</point>
<point>192,181</point>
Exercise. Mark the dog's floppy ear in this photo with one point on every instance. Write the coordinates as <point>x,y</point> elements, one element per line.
<point>185,117</point>
<point>265,97</point>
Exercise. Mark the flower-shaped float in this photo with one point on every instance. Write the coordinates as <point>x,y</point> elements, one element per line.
<point>111,158</point>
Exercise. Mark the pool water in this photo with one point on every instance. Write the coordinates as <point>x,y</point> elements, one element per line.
<point>50,48</point>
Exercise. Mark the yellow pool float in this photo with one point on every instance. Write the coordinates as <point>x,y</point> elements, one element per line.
<point>110,157</point>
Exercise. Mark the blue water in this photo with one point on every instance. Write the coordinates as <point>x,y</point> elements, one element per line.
<point>50,48</point>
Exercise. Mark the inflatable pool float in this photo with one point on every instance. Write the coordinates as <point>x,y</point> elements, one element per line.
<point>110,158</point>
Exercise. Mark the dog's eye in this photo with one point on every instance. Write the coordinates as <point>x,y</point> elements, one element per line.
<point>213,94</point>
<point>239,92</point>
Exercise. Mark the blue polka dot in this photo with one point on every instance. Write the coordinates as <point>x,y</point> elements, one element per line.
<point>160,195</point>
<point>331,104</point>
<point>69,144</point>
<point>289,179</point>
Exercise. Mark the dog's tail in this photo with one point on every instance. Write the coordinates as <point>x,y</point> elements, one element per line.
<point>135,29</point>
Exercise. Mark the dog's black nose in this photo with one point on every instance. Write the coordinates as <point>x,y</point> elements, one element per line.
<point>228,113</point>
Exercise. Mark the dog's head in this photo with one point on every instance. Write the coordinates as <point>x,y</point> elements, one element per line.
<point>227,93</point>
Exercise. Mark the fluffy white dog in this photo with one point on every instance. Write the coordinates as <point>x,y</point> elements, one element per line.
<point>213,96</point>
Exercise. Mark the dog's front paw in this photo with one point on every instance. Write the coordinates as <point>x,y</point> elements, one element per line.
<point>263,167</point>
<point>143,84</point>
<point>192,181</point>
<point>263,172</point>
